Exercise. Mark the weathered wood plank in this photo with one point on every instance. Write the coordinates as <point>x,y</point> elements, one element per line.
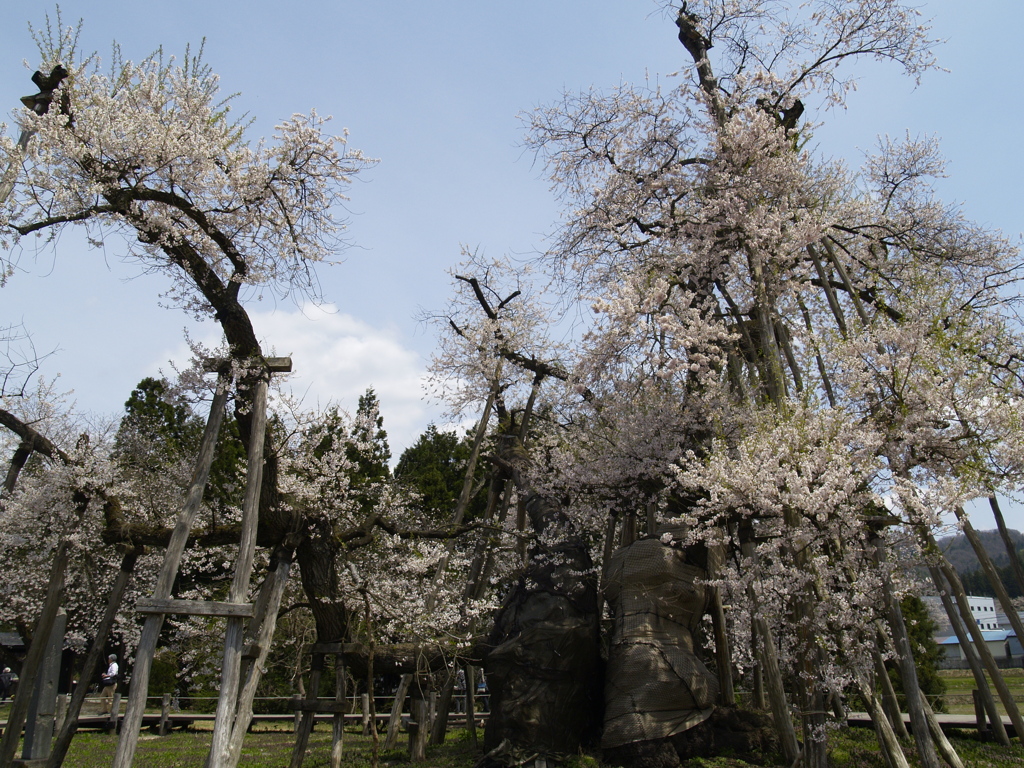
<point>321,706</point>
<point>234,634</point>
<point>194,607</point>
<point>146,648</point>
<point>335,648</point>
<point>274,364</point>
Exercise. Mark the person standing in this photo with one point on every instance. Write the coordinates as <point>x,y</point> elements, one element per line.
<point>109,682</point>
<point>7,679</point>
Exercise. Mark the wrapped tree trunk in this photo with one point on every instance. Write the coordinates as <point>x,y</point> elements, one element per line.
<point>656,688</point>
<point>543,657</point>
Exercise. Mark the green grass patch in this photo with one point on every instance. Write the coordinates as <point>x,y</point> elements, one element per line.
<point>848,748</point>
<point>262,749</point>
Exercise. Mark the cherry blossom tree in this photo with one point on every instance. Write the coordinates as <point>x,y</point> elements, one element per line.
<point>796,361</point>
<point>150,156</point>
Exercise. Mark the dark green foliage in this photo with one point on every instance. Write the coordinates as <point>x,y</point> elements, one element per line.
<point>159,429</point>
<point>434,467</point>
<point>155,428</point>
<point>371,463</point>
<point>163,676</point>
<point>370,459</point>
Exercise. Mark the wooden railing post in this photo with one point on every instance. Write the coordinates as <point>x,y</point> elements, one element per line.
<point>165,712</point>
<point>419,728</point>
<point>115,712</point>
<point>979,712</point>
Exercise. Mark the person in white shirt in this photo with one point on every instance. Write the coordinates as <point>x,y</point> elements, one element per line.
<point>109,683</point>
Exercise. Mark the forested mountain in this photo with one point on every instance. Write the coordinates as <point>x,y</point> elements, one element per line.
<point>960,554</point>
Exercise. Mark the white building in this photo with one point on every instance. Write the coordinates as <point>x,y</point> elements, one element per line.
<point>983,611</point>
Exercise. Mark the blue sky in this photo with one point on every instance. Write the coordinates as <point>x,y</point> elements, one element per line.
<point>433,91</point>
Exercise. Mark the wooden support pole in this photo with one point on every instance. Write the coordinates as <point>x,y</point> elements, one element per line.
<point>418,730</point>
<point>905,657</point>
<point>259,633</point>
<point>305,727</point>
<point>723,651</point>
<point>43,708</point>
<point>471,703</point>
<point>776,692</point>
<point>34,658</point>
<point>338,721</point>
<point>890,705</point>
<point>93,658</point>
<point>234,634</point>
<point>949,754</point>
<point>126,745</point>
<point>115,712</point>
<point>1011,549</point>
<point>888,744</point>
<point>211,608</point>
<point>365,702</point>
<point>441,707</point>
<point>769,665</point>
<point>165,713</point>
<point>1002,596</point>
<point>431,710</point>
<point>979,712</point>
<point>956,587</point>
<point>61,715</point>
<point>396,712</point>
<point>977,669</point>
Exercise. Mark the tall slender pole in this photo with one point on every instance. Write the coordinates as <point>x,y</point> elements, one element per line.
<point>220,753</point>
<point>908,673</point>
<point>139,687</point>
<point>33,660</point>
<point>92,659</point>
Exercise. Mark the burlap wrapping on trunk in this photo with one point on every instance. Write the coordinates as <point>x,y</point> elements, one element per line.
<point>655,685</point>
<point>543,669</point>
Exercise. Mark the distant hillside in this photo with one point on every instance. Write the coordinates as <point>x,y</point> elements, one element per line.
<point>961,555</point>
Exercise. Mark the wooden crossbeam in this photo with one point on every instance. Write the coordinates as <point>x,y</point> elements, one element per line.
<point>321,706</point>
<point>336,648</point>
<point>274,364</point>
<point>194,607</point>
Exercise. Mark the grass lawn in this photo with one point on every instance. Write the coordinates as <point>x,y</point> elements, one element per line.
<point>270,747</point>
<point>849,748</point>
<point>960,683</point>
<point>263,749</point>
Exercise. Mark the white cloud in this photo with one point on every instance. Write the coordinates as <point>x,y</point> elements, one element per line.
<point>337,357</point>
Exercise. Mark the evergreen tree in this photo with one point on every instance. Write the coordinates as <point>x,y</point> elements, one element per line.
<point>160,429</point>
<point>369,428</point>
<point>155,427</point>
<point>927,653</point>
<point>435,468</point>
